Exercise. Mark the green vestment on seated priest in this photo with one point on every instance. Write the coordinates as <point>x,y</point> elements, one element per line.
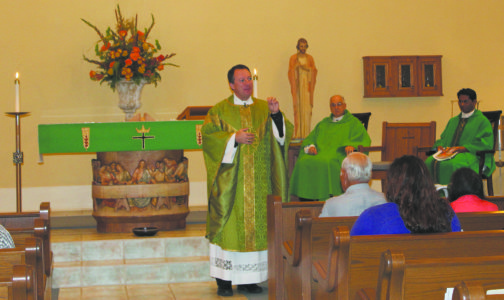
<point>476,135</point>
<point>237,192</point>
<point>317,176</point>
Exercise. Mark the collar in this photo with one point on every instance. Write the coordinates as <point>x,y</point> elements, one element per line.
<point>334,119</point>
<point>358,186</point>
<point>469,114</point>
<point>238,101</point>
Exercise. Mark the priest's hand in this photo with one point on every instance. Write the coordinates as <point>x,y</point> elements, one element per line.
<point>273,105</point>
<point>244,137</point>
<point>312,150</point>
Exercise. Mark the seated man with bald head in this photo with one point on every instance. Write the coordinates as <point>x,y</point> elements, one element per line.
<point>355,176</point>
<point>316,173</point>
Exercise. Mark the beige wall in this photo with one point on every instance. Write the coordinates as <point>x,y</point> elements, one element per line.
<point>45,41</point>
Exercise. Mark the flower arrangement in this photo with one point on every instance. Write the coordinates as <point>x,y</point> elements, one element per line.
<point>125,54</point>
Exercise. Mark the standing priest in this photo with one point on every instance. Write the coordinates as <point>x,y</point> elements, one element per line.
<point>464,134</point>
<point>244,146</point>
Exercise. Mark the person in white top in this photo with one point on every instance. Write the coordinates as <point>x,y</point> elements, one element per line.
<point>355,176</point>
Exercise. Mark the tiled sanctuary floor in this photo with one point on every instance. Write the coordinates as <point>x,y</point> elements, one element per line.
<point>178,291</point>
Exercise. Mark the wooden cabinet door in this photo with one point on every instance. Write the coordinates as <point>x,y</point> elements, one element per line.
<point>430,76</point>
<point>377,76</point>
<point>405,76</point>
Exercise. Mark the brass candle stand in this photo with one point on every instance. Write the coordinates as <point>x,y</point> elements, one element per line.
<point>17,157</point>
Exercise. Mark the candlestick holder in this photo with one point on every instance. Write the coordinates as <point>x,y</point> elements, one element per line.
<point>17,157</point>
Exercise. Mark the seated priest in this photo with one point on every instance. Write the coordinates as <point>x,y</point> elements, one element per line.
<point>316,173</point>
<point>466,133</point>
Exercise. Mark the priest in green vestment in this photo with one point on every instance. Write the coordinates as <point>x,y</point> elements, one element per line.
<point>316,175</point>
<point>244,146</point>
<point>466,133</point>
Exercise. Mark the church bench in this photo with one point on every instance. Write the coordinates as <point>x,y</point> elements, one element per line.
<point>41,231</point>
<point>310,243</point>
<point>25,219</point>
<point>402,277</point>
<point>491,220</point>
<point>18,282</point>
<point>498,200</point>
<point>472,290</point>
<point>280,228</point>
<point>30,254</point>
<point>353,262</point>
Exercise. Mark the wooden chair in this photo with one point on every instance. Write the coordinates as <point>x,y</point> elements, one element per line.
<point>400,139</point>
<point>493,117</point>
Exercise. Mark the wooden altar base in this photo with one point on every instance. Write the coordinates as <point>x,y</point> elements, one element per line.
<point>127,223</point>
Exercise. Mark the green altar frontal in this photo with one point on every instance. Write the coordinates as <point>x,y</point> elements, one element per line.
<point>139,174</point>
<point>119,136</point>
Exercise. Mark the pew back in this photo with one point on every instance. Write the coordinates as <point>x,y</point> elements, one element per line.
<point>17,282</point>
<point>25,219</point>
<point>281,219</point>
<point>428,278</point>
<point>362,265</point>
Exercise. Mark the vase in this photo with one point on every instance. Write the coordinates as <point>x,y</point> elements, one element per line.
<point>129,96</point>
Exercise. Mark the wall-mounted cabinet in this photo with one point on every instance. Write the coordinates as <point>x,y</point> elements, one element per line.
<point>402,76</point>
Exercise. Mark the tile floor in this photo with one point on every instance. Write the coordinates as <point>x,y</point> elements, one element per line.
<point>177,291</point>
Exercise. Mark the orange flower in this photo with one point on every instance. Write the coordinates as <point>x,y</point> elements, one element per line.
<point>92,74</point>
<point>111,65</point>
<point>141,36</point>
<point>128,62</point>
<point>135,55</point>
<point>105,47</point>
<point>136,49</point>
<point>160,67</point>
<point>122,33</point>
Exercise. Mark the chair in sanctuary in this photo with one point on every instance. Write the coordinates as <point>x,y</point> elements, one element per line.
<point>493,117</point>
<point>400,139</point>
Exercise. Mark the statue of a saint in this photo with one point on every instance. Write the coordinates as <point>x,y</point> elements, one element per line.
<point>302,77</point>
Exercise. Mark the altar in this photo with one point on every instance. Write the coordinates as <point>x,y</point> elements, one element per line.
<point>139,174</point>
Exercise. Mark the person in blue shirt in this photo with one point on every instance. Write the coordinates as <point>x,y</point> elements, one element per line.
<point>414,205</point>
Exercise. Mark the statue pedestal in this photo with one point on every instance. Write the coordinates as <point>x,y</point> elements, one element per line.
<point>140,189</point>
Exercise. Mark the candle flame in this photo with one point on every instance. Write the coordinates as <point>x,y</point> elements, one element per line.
<point>17,75</point>
<point>255,71</point>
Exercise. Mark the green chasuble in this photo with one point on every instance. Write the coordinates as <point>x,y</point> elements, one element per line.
<point>317,176</point>
<point>237,192</point>
<point>476,135</point>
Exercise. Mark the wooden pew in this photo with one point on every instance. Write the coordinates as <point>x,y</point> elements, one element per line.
<point>353,262</point>
<point>428,278</point>
<point>39,230</point>
<point>31,255</point>
<point>498,200</point>
<point>25,222</point>
<point>25,219</point>
<point>472,221</point>
<point>474,291</point>
<point>310,243</point>
<point>43,270</point>
<point>19,281</point>
<point>280,228</point>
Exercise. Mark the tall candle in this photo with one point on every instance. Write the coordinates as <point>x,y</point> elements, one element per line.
<point>16,84</point>
<point>255,83</point>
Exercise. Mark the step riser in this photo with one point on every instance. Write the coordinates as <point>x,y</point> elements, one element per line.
<point>131,274</point>
<point>130,261</point>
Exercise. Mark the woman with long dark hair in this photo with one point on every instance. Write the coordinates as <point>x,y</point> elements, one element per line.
<point>414,205</point>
